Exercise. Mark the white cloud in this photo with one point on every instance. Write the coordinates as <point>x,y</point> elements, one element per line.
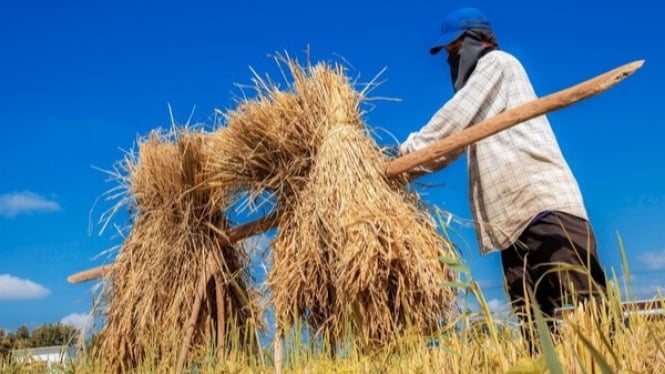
<point>644,285</point>
<point>15,203</point>
<point>487,284</point>
<point>259,242</point>
<point>13,288</point>
<point>495,305</point>
<point>648,290</point>
<point>654,260</point>
<point>257,246</point>
<point>78,320</point>
<point>498,307</point>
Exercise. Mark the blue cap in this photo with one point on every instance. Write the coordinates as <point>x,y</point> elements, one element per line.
<point>458,21</point>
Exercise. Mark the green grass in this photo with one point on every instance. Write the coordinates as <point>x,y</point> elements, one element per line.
<point>476,343</point>
<point>486,347</point>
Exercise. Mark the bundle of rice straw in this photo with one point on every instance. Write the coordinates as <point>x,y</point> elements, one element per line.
<point>354,253</point>
<point>357,256</point>
<point>276,135</point>
<point>171,250</point>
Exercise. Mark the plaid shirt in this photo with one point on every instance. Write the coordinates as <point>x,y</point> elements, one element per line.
<point>513,175</point>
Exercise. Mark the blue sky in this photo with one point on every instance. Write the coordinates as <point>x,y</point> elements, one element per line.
<point>79,81</point>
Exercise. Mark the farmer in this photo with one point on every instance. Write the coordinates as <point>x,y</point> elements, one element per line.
<point>524,198</point>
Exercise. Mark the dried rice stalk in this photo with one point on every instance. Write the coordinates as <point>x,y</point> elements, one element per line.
<point>276,136</point>
<point>152,283</point>
<point>352,247</point>
<point>357,256</point>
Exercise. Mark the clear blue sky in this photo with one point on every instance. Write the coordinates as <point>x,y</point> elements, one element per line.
<point>80,80</point>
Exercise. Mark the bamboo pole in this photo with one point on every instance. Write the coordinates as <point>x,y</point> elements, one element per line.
<point>232,235</point>
<point>510,118</point>
<point>457,141</point>
<point>279,349</point>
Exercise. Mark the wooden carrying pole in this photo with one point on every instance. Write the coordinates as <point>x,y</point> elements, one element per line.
<point>445,146</point>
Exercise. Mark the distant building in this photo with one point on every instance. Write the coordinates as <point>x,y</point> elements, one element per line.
<point>58,354</point>
<point>652,309</point>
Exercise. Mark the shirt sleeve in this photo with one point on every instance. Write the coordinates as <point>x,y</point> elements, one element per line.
<point>458,112</point>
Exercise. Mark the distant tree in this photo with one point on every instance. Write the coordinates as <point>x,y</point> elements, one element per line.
<point>23,333</point>
<point>5,343</point>
<point>43,336</point>
<point>21,338</point>
<point>53,334</point>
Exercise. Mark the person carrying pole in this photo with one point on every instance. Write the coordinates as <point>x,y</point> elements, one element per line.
<point>524,199</point>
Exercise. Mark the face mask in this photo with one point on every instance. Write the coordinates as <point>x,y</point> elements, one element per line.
<point>475,44</point>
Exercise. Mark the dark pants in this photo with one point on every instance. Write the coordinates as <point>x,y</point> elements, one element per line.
<point>534,265</point>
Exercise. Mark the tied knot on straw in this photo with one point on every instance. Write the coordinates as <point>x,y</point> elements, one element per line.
<point>336,131</point>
